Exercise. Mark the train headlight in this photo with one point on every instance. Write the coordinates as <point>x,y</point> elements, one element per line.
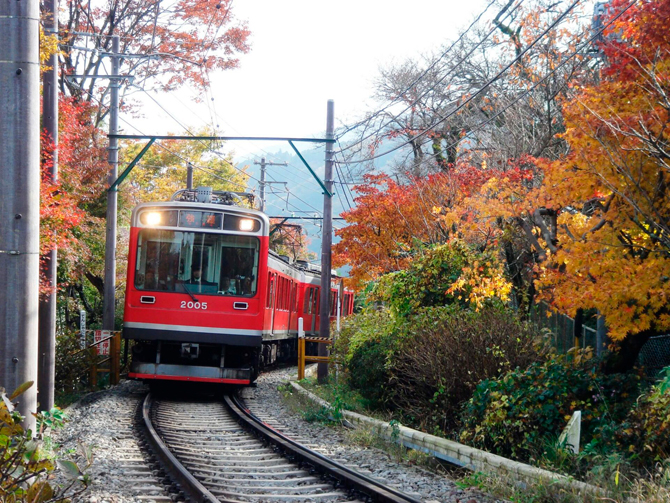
<point>152,218</point>
<point>246,224</point>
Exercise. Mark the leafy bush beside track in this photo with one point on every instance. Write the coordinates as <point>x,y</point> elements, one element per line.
<point>449,352</point>
<point>427,364</point>
<point>520,413</point>
<point>25,463</point>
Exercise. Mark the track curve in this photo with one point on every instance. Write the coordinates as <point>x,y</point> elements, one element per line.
<point>227,454</point>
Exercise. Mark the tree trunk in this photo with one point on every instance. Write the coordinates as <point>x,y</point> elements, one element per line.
<point>625,355</point>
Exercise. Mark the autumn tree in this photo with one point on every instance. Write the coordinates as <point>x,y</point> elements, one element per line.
<point>464,103</point>
<point>165,47</point>
<point>611,190</point>
<point>289,240</point>
<point>393,221</point>
<point>168,45</point>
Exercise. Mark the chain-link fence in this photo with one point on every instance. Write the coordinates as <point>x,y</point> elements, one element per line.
<point>654,356</point>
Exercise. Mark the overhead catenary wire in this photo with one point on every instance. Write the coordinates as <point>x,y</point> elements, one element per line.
<point>218,154</point>
<point>523,94</point>
<point>426,71</point>
<point>473,95</point>
<point>424,93</point>
<point>177,154</point>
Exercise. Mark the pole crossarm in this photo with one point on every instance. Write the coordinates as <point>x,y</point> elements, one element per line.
<point>153,138</point>
<point>126,172</point>
<point>222,138</point>
<point>325,190</point>
<point>277,226</point>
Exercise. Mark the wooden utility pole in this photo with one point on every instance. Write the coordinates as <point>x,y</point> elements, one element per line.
<point>109,305</point>
<point>20,201</point>
<point>46,364</point>
<point>326,244</point>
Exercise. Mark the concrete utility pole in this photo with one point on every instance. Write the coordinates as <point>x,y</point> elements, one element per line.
<point>20,201</point>
<point>113,159</point>
<point>46,364</point>
<point>263,183</point>
<point>326,243</point>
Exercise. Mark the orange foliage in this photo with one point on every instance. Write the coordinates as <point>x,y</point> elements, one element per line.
<point>613,186</point>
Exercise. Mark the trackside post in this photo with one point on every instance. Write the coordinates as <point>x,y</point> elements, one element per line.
<point>301,350</point>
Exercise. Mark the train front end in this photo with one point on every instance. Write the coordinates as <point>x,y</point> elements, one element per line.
<point>193,305</point>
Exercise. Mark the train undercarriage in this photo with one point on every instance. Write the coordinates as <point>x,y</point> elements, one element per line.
<point>202,362</point>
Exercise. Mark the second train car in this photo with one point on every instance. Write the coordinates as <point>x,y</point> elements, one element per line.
<point>206,299</point>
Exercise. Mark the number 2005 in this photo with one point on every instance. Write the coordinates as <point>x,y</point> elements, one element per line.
<point>193,305</point>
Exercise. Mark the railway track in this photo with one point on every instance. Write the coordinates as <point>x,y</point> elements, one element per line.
<point>221,452</point>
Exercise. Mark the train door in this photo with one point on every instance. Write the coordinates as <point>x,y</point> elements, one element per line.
<point>291,305</point>
<point>271,299</point>
<point>314,307</point>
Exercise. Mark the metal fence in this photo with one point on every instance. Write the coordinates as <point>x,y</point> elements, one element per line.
<point>562,328</point>
<point>654,356</point>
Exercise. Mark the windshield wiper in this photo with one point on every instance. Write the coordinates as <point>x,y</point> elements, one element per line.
<point>189,292</point>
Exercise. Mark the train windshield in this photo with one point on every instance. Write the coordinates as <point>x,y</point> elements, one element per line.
<point>197,262</point>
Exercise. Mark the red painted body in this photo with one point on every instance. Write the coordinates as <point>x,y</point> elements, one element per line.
<point>199,331</point>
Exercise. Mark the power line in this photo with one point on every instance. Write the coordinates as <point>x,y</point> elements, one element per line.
<point>475,94</point>
<point>425,72</point>
<point>525,93</point>
<point>191,133</point>
<point>431,88</point>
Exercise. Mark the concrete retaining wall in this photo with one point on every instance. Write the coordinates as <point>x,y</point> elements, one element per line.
<point>453,452</point>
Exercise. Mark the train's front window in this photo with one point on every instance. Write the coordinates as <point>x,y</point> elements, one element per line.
<point>196,262</point>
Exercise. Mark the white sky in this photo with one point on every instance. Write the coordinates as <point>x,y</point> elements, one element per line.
<point>303,53</point>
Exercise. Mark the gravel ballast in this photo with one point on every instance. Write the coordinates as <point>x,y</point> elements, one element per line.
<point>122,473</point>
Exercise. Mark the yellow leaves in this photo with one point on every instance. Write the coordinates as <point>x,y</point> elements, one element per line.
<point>48,47</point>
<point>480,282</point>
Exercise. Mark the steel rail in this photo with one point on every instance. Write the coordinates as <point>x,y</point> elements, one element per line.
<point>177,472</point>
<point>373,489</point>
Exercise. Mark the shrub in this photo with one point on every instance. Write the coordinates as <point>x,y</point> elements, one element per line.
<point>446,351</point>
<point>520,413</point>
<point>645,435</point>
<point>71,365</point>
<point>449,274</point>
<point>24,468</point>
<point>366,341</point>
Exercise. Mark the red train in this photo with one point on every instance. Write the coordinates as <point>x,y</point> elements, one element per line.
<point>206,299</point>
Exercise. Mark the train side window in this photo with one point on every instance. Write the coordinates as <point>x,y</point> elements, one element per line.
<point>294,297</point>
<point>281,293</point>
<point>308,301</point>
<point>268,302</point>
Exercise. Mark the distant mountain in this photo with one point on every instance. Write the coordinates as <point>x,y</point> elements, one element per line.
<point>305,195</point>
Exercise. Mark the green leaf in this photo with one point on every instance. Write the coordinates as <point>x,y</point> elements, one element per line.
<point>70,469</point>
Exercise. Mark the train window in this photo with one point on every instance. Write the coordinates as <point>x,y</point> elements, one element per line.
<point>270,290</point>
<point>196,262</point>
<point>309,294</point>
